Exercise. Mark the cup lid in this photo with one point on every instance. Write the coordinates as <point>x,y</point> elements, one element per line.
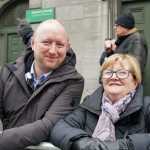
<point>107,39</point>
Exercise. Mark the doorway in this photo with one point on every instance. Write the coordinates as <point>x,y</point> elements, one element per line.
<point>141,11</point>
<point>11,45</point>
<point>14,48</point>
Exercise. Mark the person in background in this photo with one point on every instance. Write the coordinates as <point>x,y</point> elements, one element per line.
<point>25,32</point>
<point>130,40</point>
<point>114,117</point>
<point>41,87</point>
<point>108,51</point>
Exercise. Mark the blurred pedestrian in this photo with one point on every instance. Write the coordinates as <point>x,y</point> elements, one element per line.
<point>25,32</point>
<point>108,52</point>
<point>130,40</point>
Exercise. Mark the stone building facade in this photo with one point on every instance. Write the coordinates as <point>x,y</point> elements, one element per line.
<point>88,23</point>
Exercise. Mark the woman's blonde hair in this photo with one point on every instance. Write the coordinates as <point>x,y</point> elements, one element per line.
<point>132,61</point>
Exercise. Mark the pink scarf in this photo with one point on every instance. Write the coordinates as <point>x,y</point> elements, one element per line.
<point>105,129</point>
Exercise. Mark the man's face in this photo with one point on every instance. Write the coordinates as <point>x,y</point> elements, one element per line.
<point>50,44</point>
<point>120,31</point>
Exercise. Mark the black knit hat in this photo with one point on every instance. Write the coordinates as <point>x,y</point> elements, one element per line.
<point>24,28</point>
<point>126,20</point>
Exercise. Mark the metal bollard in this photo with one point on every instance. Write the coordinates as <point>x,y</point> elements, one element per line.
<point>42,146</point>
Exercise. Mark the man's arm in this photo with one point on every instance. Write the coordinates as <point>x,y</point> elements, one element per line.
<point>38,131</point>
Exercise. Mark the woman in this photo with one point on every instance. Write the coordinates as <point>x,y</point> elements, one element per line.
<point>114,117</point>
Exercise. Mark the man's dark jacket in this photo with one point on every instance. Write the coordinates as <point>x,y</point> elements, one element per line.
<point>27,115</point>
<point>136,45</point>
<point>133,122</point>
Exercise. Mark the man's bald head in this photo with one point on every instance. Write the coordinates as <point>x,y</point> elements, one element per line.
<point>50,45</point>
<point>51,22</point>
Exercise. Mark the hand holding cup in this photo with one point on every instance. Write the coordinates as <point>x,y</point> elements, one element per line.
<point>107,45</point>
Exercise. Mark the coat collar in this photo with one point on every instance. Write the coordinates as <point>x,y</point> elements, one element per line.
<point>60,74</point>
<point>93,102</point>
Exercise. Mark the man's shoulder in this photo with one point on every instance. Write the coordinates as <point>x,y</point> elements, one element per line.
<point>136,35</point>
<point>67,72</point>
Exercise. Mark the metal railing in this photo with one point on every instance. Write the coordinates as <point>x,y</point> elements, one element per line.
<point>43,146</point>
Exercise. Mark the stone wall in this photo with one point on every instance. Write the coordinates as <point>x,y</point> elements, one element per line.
<point>83,20</point>
<point>88,25</point>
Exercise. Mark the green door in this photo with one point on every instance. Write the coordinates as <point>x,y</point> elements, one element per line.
<point>11,46</point>
<point>15,47</point>
<point>141,13</point>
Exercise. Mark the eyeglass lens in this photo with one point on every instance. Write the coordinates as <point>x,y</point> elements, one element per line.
<point>122,74</point>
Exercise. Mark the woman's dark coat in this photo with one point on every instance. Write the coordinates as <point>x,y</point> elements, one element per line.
<point>134,121</point>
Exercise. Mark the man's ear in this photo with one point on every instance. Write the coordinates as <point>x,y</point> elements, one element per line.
<point>32,42</point>
<point>68,46</point>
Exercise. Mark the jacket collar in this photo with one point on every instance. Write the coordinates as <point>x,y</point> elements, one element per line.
<point>60,74</point>
<point>93,102</point>
<point>132,31</point>
<point>122,38</point>
<point>29,58</point>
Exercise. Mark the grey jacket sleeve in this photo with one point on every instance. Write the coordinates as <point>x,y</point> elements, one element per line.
<point>66,131</point>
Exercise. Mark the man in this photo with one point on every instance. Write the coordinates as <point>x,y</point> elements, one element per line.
<point>25,32</point>
<point>130,40</point>
<point>39,88</point>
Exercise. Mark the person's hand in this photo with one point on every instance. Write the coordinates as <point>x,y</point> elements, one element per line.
<point>113,45</point>
<point>88,144</point>
<point>96,144</point>
<point>105,58</point>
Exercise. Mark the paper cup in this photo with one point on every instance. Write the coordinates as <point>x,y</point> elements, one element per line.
<point>108,43</point>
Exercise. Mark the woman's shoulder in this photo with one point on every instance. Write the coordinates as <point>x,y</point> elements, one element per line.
<point>93,101</point>
<point>146,102</point>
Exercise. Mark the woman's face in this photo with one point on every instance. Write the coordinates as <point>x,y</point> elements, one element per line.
<point>116,88</point>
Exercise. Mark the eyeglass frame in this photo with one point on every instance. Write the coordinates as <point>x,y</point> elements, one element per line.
<point>116,73</point>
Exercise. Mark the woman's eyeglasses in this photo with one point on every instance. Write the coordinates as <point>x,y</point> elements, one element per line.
<point>121,74</point>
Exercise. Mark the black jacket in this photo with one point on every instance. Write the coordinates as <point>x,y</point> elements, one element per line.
<point>136,45</point>
<point>83,121</point>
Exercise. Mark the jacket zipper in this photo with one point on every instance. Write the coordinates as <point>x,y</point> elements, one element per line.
<point>91,110</point>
